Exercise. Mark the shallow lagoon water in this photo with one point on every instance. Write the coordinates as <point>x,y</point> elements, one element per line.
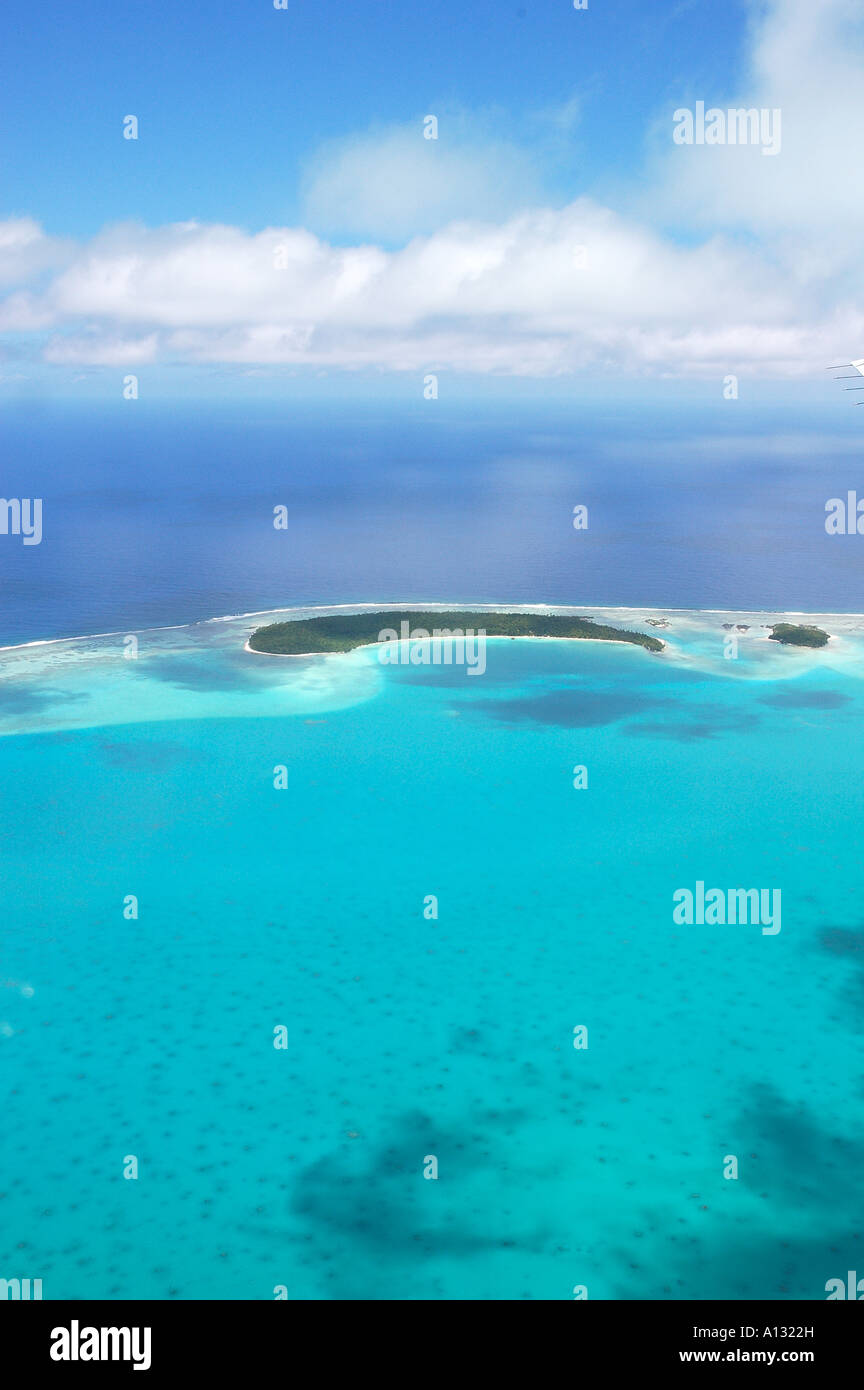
<point>303,907</point>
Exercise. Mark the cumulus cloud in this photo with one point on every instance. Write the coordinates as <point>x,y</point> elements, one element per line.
<point>542,293</point>
<point>806,61</point>
<point>26,253</point>
<point>535,290</point>
<point>98,350</point>
<point>393,184</point>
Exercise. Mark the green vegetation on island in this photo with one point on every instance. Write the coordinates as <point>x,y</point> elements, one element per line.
<point>341,633</point>
<point>798,635</point>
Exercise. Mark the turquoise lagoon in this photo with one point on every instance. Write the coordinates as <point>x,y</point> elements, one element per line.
<point>302,1168</point>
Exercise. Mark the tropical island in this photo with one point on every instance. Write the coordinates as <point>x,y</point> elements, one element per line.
<point>344,632</point>
<point>798,635</point>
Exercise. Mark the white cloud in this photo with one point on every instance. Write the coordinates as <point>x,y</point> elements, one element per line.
<point>395,183</point>
<point>537,291</point>
<point>807,61</point>
<point>543,293</point>
<point>26,252</point>
<point>96,350</point>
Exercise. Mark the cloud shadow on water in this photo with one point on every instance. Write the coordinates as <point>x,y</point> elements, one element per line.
<point>806,699</point>
<point>581,708</point>
<point>208,675</point>
<point>792,1164</point>
<point>722,721</point>
<point>847,944</point>
<point>27,699</point>
<point>370,1212</point>
<point>569,708</point>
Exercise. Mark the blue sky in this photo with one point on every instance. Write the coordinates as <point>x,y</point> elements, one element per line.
<point>235,98</point>
<point>281,213</point>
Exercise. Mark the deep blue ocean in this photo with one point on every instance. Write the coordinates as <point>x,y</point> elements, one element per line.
<point>282,824</point>
<point>160,513</point>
